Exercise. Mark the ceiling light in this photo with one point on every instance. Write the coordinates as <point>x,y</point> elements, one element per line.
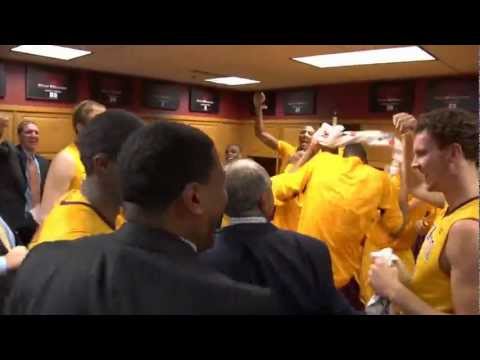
<point>367,57</point>
<point>232,81</point>
<point>51,51</point>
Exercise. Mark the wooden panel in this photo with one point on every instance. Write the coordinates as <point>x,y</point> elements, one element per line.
<point>56,131</point>
<point>8,132</point>
<point>217,133</point>
<point>379,156</point>
<point>383,126</point>
<point>253,146</point>
<point>36,109</point>
<point>290,134</point>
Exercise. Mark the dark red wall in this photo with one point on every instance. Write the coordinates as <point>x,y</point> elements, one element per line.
<point>15,94</point>
<point>351,99</point>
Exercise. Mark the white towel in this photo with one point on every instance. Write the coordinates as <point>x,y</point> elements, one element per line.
<point>378,305</point>
<point>335,136</point>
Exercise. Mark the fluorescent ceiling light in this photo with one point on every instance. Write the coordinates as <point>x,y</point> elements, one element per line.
<point>51,51</point>
<point>232,81</point>
<point>367,57</point>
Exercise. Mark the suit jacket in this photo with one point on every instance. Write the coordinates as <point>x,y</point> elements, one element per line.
<point>135,270</point>
<point>297,267</point>
<point>13,184</point>
<point>12,187</point>
<point>43,163</point>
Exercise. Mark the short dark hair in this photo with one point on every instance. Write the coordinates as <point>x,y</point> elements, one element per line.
<point>237,145</point>
<point>82,113</point>
<point>160,159</point>
<point>448,126</point>
<point>106,135</point>
<point>24,123</point>
<point>356,150</point>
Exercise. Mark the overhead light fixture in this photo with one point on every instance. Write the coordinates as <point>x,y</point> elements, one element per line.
<point>51,51</point>
<point>232,81</point>
<point>368,57</point>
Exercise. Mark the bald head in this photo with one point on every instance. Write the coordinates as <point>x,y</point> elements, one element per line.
<point>249,189</point>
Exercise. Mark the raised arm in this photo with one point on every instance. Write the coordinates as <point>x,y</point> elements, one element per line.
<point>288,185</point>
<point>264,136</point>
<point>405,124</point>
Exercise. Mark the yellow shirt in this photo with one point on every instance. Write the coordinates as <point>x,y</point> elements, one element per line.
<point>225,221</point>
<point>71,218</point>
<point>287,213</point>
<point>429,282</point>
<point>80,173</point>
<point>120,220</point>
<point>340,204</point>
<point>285,152</point>
<point>377,238</point>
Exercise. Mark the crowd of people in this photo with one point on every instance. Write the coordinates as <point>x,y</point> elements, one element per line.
<point>145,219</point>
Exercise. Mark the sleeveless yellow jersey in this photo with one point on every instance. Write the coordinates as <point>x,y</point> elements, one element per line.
<point>80,173</point>
<point>379,238</point>
<point>71,218</point>
<point>341,202</point>
<point>429,282</point>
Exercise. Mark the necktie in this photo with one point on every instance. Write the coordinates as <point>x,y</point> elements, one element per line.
<point>33,181</point>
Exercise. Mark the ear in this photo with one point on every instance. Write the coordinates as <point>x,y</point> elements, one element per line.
<point>79,127</point>
<point>100,163</point>
<point>192,199</point>
<point>265,204</point>
<point>455,152</point>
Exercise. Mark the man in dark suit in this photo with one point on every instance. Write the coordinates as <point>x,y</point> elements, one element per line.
<point>34,169</point>
<point>29,136</point>
<point>173,191</point>
<point>255,251</point>
<point>13,188</point>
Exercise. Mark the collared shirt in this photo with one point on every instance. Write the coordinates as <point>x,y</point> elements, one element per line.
<point>28,192</point>
<point>248,220</point>
<point>194,247</point>
<point>11,240</point>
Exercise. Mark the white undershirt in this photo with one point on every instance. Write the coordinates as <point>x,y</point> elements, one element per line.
<point>248,220</point>
<point>194,247</point>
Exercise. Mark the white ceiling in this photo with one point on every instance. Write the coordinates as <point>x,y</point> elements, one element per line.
<point>271,64</point>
